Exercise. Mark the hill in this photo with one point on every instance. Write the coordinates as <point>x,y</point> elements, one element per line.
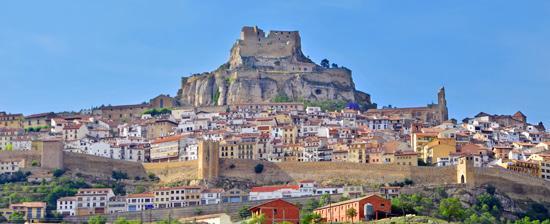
<point>269,68</point>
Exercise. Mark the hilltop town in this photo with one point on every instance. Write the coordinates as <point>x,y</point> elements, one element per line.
<point>271,136</point>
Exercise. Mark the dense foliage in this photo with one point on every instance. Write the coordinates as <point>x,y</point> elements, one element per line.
<point>281,98</point>
<point>326,105</point>
<point>259,168</point>
<point>97,220</point>
<point>244,212</point>
<point>487,209</point>
<point>119,175</point>
<point>18,176</point>
<point>156,112</point>
<point>58,172</point>
<point>36,129</point>
<point>216,96</point>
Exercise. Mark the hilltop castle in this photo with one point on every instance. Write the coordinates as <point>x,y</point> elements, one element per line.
<point>262,67</point>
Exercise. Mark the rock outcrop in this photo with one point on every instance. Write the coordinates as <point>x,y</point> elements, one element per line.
<point>261,68</point>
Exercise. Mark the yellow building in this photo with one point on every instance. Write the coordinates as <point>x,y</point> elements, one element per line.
<point>438,148</point>
<point>419,140</point>
<point>357,153</point>
<point>531,168</point>
<point>289,134</point>
<point>405,158</point>
<point>283,119</point>
<point>38,120</point>
<point>544,164</point>
<point>238,147</point>
<point>11,120</point>
<point>32,211</point>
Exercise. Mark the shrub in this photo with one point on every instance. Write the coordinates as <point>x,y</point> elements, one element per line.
<point>259,168</point>
<point>155,112</point>
<point>451,209</point>
<point>281,98</point>
<point>139,189</point>
<point>152,177</point>
<point>216,97</point>
<point>244,212</point>
<point>97,220</point>
<point>58,172</point>
<point>34,163</point>
<point>198,211</point>
<point>408,181</point>
<point>119,175</point>
<point>17,217</point>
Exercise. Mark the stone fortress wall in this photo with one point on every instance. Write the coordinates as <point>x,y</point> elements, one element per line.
<point>326,173</point>
<point>276,44</point>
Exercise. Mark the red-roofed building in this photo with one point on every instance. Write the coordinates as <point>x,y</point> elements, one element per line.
<point>371,207</point>
<point>277,211</point>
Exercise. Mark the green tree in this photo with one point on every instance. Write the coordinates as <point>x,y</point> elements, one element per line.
<point>528,220</point>
<point>451,209</point>
<point>484,218</point>
<point>256,219</point>
<point>310,218</point>
<point>344,198</point>
<point>244,212</point>
<point>9,147</point>
<point>121,220</point>
<point>259,168</point>
<point>119,189</point>
<point>58,172</point>
<point>170,221</point>
<point>537,211</point>
<point>325,200</point>
<point>17,217</point>
<point>119,175</point>
<point>97,220</point>
<point>311,205</point>
<point>351,213</point>
<point>152,177</point>
<point>325,63</point>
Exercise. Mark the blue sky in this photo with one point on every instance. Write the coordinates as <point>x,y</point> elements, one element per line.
<point>492,56</point>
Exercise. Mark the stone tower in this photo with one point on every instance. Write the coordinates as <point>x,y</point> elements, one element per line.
<point>465,170</point>
<point>209,160</point>
<point>51,152</point>
<point>442,104</point>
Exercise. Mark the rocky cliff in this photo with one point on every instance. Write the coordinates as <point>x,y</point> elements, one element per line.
<point>261,68</point>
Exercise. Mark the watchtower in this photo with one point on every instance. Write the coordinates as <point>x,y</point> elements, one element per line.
<point>465,170</point>
<point>209,160</point>
<point>51,152</point>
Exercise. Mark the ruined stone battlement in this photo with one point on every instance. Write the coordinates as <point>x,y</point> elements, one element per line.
<point>279,49</point>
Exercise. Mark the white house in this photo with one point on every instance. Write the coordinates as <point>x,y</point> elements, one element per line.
<point>66,206</point>
<point>140,202</point>
<point>211,196</point>
<point>273,192</point>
